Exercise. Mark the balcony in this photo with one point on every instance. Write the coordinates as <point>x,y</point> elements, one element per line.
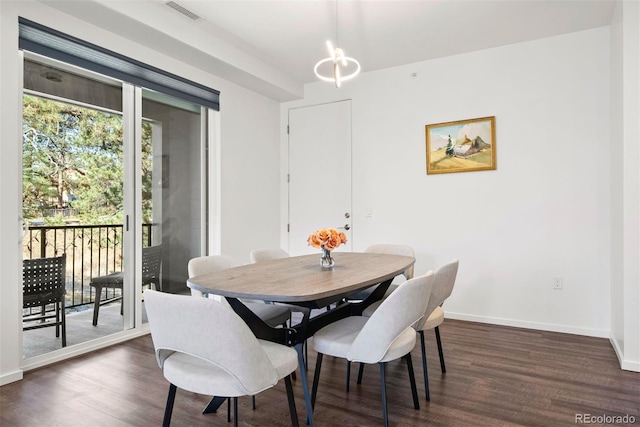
<point>92,251</point>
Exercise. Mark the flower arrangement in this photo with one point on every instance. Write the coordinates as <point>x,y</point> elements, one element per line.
<point>327,238</point>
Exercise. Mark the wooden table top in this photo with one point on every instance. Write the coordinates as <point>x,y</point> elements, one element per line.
<point>301,279</point>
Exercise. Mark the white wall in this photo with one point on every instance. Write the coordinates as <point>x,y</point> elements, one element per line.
<point>625,189</point>
<point>11,195</point>
<point>631,203</point>
<point>250,167</point>
<point>543,213</point>
<point>248,157</point>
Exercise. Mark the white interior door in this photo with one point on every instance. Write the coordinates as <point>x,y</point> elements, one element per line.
<point>319,173</point>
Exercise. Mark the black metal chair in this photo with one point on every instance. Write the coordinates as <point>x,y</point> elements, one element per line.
<point>43,283</point>
<point>151,262</point>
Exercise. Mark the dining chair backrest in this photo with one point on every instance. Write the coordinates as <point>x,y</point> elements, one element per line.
<point>403,308</point>
<point>205,329</point>
<point>206,265</point>
<point>209,264</point>
<point>267,254</point>
<point>443,280</point>
<point>404,250</point>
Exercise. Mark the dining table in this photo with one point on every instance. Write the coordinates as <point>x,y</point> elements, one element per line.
<point>303,284</point>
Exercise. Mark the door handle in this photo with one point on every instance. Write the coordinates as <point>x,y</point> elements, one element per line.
<point>346,227</point>
<point>24,228</point>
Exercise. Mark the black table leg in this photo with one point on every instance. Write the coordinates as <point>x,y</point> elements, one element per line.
<point>305,385</point>
<point>214,404</point>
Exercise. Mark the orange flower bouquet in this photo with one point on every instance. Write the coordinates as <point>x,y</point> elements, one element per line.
<point>327,239</point>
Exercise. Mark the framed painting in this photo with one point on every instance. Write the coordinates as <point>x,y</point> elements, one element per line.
<point>461,146</point>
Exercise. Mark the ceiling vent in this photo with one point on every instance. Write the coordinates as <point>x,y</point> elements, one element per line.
<point>183,11</point>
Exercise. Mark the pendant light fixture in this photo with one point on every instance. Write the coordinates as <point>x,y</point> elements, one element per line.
<point>342,66</point>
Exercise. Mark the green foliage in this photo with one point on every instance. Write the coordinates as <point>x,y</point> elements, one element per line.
<point>73,162</point>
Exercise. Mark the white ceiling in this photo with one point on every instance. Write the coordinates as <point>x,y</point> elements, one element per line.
<point>381,34</point>
<point>289,36</point>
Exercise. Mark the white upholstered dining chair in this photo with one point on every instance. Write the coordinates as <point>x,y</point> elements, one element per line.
<point>443,282</point>
<point>390,249</point>
<point>267,254</point>
<point>204,347</point>
<point>386,335</point>
<point>272,315</point>
<point>444,279</point>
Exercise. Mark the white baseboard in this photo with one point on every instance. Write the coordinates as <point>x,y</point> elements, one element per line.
<point>624,364</point>
<point>79,349</point>
<point>599,333</point>
<point>630,366</point>
<point>11,377</point>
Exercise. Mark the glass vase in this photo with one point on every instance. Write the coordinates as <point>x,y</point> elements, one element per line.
<point>327,260</point>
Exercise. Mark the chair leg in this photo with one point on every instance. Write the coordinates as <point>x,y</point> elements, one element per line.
<point>96,305</point>
<point>57,304</point>
<point>412,381</point>
<point>360,372</point>
<point>383,388</point>
<point>293,374</point>
<point>348,373</point>
<point>64,323</point>
<point>292,401</point>
<point>228,409</point>
<point>306,355</point>
<point>235,412</point>
<point>437,329</point>
<point>253,403</point>
<point>169,408</point>
<point>424,365</point>
<point>316,378</point>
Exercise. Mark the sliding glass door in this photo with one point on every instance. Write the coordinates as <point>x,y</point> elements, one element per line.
<point>112,179</point>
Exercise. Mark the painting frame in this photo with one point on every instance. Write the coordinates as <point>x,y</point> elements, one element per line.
<point>467,151</point>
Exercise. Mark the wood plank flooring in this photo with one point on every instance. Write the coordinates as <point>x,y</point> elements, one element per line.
<point>496,376</point>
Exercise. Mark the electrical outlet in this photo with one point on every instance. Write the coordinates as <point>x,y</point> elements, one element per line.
<point>557,283</point>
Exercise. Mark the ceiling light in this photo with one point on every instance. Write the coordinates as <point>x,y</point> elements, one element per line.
<point>342,67</point>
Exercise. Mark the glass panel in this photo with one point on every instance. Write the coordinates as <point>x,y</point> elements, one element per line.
<point>72,202</point>
<point>53,80</point>
<point>171,186</point>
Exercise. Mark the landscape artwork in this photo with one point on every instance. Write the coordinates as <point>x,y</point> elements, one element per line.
<point>461,146</point>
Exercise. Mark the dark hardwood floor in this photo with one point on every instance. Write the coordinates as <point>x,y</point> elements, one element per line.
<point>495,376</point>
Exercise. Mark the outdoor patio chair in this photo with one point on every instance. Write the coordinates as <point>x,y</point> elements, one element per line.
<point>151,262</point>
<point>43,283</point>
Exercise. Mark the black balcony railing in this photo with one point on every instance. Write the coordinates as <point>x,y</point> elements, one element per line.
<point>92,250</point>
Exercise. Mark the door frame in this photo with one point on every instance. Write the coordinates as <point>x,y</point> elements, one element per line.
<point>286,160</point>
